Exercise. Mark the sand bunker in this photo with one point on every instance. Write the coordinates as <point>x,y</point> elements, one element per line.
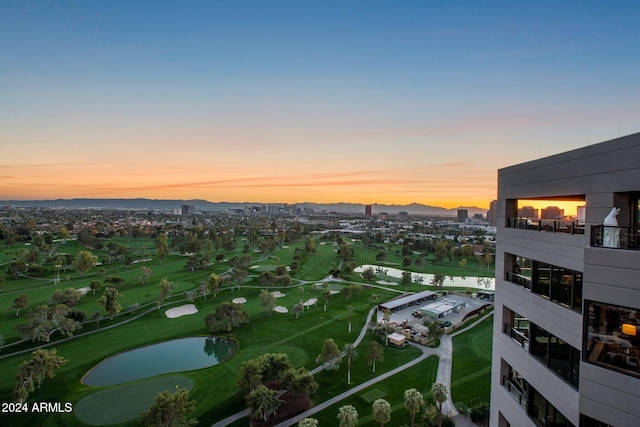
<point>277,294</point>
<point>240,300</point>
<point>281,309</point>
<point>310,302</point>
<point>184,310</point>
<point>332,292</point>
<point>84,290</point>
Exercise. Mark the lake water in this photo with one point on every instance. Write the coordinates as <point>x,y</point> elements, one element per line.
<point>473,282</point>
<point>185,354</point>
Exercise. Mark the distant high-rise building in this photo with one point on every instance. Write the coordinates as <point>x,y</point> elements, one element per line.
<point>383,216</point>
<point>403,216</point>
<point>368,210</point>
<point>463,214</point>
<point>551,212</point>
<point>528,212</point>
<point>188,209</point>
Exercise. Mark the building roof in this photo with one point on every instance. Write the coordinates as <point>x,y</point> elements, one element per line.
<point>441,306</point>
<point>390,305</point>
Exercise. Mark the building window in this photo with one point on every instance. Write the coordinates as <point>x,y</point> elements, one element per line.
<point>544,413</point>
<point>613,337</point>
<point>517,327</point>
<point>555,354</point>
<point>557,284</point>
<point>517,386</point>
<point>591,422</point>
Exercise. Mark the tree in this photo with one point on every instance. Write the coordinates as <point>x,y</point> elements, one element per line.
<point>227,316</point>
<point>95,285</point>
<point>21,301</point>
<point>300,382</point>
<point>347,416</point>
<point>368,274</point>
<point>42,365</point>
<point>345,251</point>
<point>406,279</point>
<point>109,300</point>
<point>44,320</point>
<point>381,256</point>
<point>84,262</point>
<point>163,248</point>
<point>381,411</point>
<point>329,355</point>
<point>308,422</point>
<point>413,401</point>
<point>170,410</point>
<point>349,313</point>
<point>438,279</point>
<point>309,245</point>
<point>68,297</point>
<point>264,402</point>
<point>326,293</point>
<point>275,365</point>
<point>250,374</point>
<point>164,290</point>
<point>266,279</point>
<point>375,353</point>
<point>146,275</point>
<point>267,300</point>
<point>298,309</point>
<point>213,284</point>
<point>352,354</point>
<point>440,392</point>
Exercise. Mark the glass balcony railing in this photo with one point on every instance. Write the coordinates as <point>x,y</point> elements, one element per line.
<point>518,279</point>
<point>547,225</point>
<point>517,393</point>
<point>604,236</point>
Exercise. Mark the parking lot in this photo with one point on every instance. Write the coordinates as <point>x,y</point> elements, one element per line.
<point>405,315</point>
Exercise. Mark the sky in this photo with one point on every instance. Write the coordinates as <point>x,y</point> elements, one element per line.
<point>390,102</point>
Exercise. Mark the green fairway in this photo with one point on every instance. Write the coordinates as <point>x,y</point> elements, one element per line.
<point>471,369</point>
<point>214,389</point>
<point>127,402</point>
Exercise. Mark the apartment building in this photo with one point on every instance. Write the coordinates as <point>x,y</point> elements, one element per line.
<point>566,340</point>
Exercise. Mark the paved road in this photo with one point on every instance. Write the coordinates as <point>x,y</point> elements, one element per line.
<point>444,352</point>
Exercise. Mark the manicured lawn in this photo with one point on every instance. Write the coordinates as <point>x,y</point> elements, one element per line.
<point>214,388</point>
<point>471,369</point>
<point>420,377</point>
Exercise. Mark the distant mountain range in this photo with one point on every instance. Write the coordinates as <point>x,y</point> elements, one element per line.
<point>205,205</point>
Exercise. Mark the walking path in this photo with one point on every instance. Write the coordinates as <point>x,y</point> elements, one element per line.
<point>444,352</point>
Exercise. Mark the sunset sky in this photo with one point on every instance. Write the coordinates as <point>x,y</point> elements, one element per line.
<point>294,101</point>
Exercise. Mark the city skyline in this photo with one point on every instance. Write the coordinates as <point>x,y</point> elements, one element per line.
<point>305,102</point>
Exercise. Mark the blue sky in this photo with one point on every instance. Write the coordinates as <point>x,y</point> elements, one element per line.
<point>372,102</point>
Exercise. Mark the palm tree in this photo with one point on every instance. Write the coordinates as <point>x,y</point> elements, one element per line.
<point>308,422</point>
<point>440,392</point>
<point>413,401</point>
<point>350,312</point>
<point>351,353</point>
<point>297,309</point>
<point>381,411</point>
<point>375,353</point>
<point>348,416</point>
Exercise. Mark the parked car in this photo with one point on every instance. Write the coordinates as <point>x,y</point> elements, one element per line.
<point>445,324</point>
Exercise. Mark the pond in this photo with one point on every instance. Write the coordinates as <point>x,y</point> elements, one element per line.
<point>179,355</point>
<point>473,282</point>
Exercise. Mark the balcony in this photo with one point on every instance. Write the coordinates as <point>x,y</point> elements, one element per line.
<point>603,236</point>
<point>547,225</point>
<point>518,279</point>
